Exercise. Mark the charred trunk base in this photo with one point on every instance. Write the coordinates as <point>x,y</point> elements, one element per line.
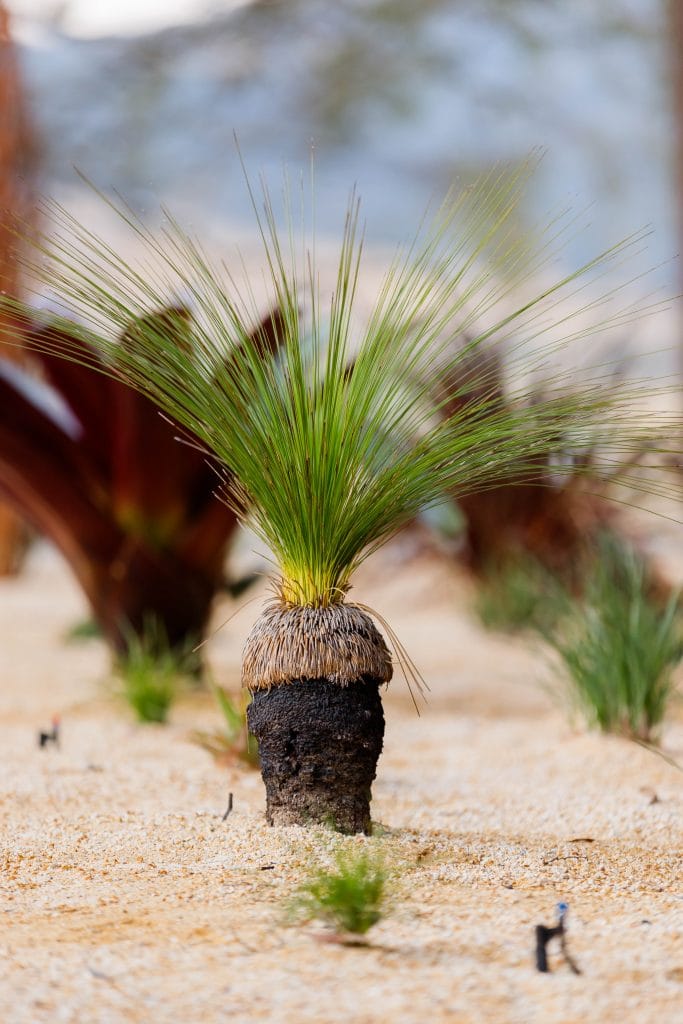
<point>319,744</point>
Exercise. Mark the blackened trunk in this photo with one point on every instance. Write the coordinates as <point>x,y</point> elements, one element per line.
<point>319,744</point>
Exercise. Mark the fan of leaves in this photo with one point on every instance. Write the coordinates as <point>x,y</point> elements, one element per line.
<point>329,463</point>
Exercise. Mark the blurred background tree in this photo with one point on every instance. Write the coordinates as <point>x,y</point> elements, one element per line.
<point>18,159</point>
<point>399,97</point>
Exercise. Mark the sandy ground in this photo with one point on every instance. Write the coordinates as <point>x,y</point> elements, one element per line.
<point>126,898</point>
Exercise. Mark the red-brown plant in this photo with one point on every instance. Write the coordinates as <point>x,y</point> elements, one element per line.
<point>17,166</point>
<point>95,467</point>
<point>531,510</point>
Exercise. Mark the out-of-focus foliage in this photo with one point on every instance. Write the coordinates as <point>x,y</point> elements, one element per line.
<point>93,465</point>
<point>399,96</point>
<point>620,644</point>
<point>233,743</point>
<point>536,520</point>
<point>18,158</point>
<point>519,594</point>
<point>152,673</point>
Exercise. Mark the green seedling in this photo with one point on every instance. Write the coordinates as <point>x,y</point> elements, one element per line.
<point>350,898</point>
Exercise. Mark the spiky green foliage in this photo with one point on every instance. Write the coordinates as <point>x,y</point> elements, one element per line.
<point>619,646</point>
<point>334,445</point>
<point>350,897</point>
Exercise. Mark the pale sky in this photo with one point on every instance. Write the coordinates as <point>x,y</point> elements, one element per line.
<point>88,18</point>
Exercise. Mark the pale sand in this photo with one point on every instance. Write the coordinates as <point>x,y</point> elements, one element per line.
<point>127,899</point>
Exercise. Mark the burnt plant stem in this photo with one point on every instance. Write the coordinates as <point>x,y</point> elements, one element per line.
<point>319,744</point>
<point>314,674</point>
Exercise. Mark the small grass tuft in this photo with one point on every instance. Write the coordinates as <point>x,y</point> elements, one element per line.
<point>619,646</point>
<point>350,898</point>
<point>152,673</point>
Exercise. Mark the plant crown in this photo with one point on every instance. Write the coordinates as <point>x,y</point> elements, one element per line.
<point>332,444</point>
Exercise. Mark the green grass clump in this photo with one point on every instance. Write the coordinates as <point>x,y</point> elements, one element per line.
<point>152,673</point>
<point>519,595</point>
<point>620,645</point>
<point>350,898</point>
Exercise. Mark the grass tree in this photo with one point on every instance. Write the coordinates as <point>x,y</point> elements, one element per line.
<point>335,443</point>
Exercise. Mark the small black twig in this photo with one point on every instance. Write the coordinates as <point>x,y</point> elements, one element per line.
<point>545,934</point>
<point>543,937</point>
<point>569,960</point>
<point>44,738</point>
<point>225,816</point>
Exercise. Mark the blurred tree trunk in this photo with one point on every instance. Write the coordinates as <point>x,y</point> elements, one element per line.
<point>17,163</point>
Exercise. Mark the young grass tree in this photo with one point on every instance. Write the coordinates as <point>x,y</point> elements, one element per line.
<point>335,443</point>
<point>620,644</point>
